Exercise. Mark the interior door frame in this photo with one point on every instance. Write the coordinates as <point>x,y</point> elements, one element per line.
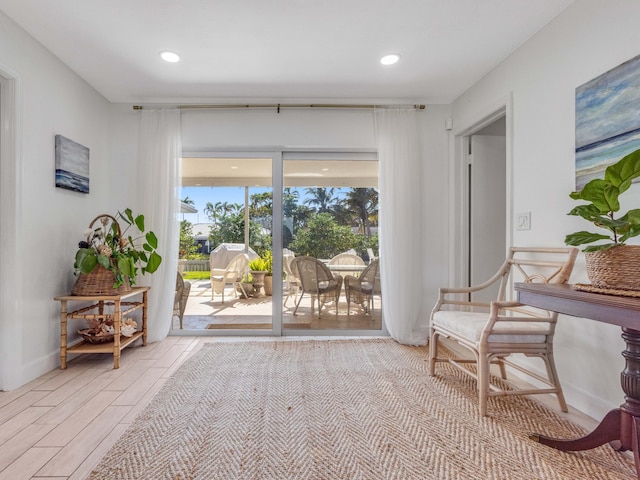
<point>459,181</point>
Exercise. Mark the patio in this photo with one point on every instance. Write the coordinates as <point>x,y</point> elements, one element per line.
<point>256,313</point>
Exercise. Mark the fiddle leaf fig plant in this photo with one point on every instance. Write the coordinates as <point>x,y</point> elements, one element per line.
<point>603,207</point>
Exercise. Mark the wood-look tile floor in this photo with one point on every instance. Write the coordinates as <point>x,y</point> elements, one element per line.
<point>60,425</point>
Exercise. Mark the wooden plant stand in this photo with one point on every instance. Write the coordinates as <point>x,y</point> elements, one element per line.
<point>97,311</point>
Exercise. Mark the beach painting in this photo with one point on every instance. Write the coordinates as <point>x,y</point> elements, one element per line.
<point>607,120</point>
<point>72,165</point>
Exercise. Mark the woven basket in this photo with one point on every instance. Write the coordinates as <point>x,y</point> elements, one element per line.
<point>101,280</point>
<point>93,338</point>
<point>617,268</point>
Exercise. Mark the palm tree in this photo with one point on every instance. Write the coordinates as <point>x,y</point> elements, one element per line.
<point>221,209</point>
<point>363,202</point>
<point>322,198</point>
<point>186,200</point>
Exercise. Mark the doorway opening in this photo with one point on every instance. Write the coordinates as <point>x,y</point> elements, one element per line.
<point>481,198</point>
<point>487,194</point>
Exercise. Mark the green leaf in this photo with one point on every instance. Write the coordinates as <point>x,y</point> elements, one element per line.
<point>139,221</point>
<point>622,172</point>
<point>86,260</point>
<point>580,238</point>
<point>601,193</point>
<point>154,262</point>
<point>125,266</point>
<point>104,261</point>
<point>632,217</point>
<point>588,212</point>
<point>610,223</point>
<point>152,239</point>
<point>127,216</point>
<point>597,248</point>
<point>633,231</point>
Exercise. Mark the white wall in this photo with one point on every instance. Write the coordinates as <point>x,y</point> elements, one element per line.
<point>322,128</point>
<point>587,39</point>
<point>51,100</point>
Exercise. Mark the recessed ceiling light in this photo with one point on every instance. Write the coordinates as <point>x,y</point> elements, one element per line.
<point>170,57</point>
<point>325,169</point>
<point>233,167</point>
<point>390,59</point>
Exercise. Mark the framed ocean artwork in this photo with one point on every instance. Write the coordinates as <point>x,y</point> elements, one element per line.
<point>607,120</point>
<point>72,165</point>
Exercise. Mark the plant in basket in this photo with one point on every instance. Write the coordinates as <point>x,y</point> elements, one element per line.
<point>611,264</point>
<point>120,254</point>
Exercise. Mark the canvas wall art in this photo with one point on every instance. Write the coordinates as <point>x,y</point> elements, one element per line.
<point>72,165</point>
<point>607,120</point>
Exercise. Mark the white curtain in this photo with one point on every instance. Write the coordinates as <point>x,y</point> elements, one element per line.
<point>401,243</point>
<point>159,155</point>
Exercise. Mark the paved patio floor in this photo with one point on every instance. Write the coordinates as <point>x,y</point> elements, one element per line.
<point>203,313</point>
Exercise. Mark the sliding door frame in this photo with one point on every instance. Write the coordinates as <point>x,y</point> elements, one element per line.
<point>278,155</point>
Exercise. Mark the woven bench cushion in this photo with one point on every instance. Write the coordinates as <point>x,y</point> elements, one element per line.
<point>469,325</point>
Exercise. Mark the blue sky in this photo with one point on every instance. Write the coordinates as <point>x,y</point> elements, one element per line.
<point>202,195</point>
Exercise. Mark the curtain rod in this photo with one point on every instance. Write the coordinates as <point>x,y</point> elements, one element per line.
<point>278,106</point>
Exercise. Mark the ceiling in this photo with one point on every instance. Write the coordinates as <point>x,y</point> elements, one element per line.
<point>256,172</point>
<point>279,50</point>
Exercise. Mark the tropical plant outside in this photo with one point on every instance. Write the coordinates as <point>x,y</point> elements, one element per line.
<point>327,222</point>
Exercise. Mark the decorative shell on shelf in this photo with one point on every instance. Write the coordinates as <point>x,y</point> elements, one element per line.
<point>128,327</point>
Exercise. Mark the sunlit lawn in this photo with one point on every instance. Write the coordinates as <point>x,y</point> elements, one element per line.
<point>202,275</point>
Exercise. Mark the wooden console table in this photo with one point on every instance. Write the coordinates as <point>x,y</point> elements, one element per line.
<point>100,310</point>
<point>621,426</point>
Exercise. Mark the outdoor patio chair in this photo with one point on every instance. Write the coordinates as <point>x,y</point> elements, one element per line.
<point>494,330</point>
<point>293,282</point>
<point>347,259</point>
<point>220,277</point>
<point>361,289</point>
<point>182,295</point>
<point>317,281</point>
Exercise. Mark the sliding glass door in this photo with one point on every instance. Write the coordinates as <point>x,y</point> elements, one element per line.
<point>226,245</point>
<point>247,219</point>
<point>330,217</point>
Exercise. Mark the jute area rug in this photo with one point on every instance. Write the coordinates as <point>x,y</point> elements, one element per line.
<point>340,409</point>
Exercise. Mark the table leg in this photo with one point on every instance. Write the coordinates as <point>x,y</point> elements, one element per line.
<point>619,427</point>
<point>117,317</point>
<point>63,334</point>
<point>144,318</point>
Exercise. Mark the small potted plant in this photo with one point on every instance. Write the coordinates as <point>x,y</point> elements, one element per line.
<point>611,264</point>
<point>110,258</point>
<point>258,269</point>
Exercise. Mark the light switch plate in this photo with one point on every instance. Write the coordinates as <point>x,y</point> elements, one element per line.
<point>523,221</point>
